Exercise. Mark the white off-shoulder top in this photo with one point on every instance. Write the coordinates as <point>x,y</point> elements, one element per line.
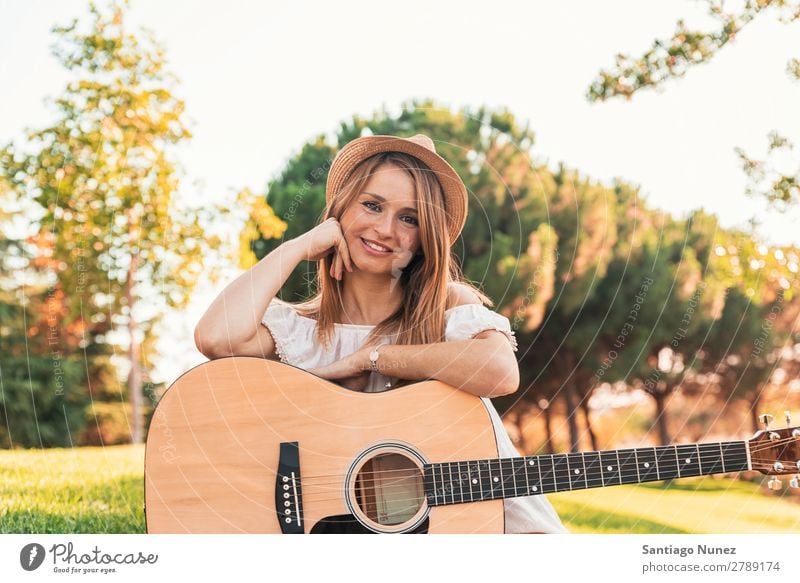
<point>297,345</point>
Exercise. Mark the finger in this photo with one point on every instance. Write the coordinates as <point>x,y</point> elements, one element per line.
<point>338,266</point>
<point>345,252</point>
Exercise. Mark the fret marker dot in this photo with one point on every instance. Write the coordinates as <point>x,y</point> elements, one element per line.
<point>577,471</point>
<point>647,464</point>
<point>688,460</point>
<point>609,468</point>
<point>534,488</point>
<point>496,479</point>
<point>474,481</point>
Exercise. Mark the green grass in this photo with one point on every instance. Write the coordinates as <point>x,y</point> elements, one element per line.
<point>100,490</point>
<point>81,490</point>
<point>691,505</point>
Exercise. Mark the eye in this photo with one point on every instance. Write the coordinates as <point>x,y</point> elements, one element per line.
<point>413,220</point>
<point>368,203</point>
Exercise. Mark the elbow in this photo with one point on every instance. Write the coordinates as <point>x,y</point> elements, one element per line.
<point>203,345</point>
<point>507,376</point>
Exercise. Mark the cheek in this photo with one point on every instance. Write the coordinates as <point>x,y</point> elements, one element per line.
<point>411,242</point>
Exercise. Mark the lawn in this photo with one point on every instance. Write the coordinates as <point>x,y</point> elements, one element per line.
<point>100,490</point>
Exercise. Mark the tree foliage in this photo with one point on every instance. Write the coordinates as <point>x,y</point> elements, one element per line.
<point>672,58</point>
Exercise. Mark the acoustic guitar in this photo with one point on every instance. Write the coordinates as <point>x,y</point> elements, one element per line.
<point>247,445</point>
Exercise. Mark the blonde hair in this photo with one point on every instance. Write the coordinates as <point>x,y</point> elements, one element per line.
<point>426,278</point>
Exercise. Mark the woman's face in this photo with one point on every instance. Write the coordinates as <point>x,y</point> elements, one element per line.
<point>384,215</point>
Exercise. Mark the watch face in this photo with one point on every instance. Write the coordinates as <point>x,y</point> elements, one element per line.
<point>373,355</point>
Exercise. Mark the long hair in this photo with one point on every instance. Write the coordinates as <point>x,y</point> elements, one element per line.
<point>426,278</point>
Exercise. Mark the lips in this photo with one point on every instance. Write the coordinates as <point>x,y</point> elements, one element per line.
<point>375,248</point>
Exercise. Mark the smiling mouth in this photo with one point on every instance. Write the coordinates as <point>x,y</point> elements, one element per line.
<point>375,247</point>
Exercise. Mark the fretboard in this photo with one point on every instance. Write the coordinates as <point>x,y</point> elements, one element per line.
<point>490,479</point>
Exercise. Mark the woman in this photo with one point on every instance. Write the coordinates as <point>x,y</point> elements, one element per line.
<point>391,303</point>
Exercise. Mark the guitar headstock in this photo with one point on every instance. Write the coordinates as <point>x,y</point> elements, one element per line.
<point>776,451</point>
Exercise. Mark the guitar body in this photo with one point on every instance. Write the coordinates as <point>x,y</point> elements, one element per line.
<point>247,445</point>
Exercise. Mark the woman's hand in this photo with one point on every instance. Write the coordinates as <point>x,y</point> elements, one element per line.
<point>322,240</point>
<point>351,371</point>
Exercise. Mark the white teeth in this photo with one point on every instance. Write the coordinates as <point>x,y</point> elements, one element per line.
<point>373,246</point>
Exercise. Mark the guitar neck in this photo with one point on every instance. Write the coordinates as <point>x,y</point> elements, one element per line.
<point>491,479</point>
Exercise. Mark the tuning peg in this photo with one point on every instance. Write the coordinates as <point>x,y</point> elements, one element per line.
<point>766,419</point>
<point>794,483</point>
<point>796,433</point>
<point>774,483</point>
<point>773,436</point>
<point>788,418</point>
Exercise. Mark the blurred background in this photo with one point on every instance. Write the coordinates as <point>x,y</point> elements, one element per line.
<point>634,189</point>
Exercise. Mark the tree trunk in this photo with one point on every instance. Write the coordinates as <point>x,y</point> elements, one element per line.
<point>569,400</point>
<point>521,446</point>
<point>592,436</point>
<point>548,430</point>
<point>661,417</point>
<point>135,375</point>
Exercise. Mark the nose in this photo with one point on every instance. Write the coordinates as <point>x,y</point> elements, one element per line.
<point>384,226</point>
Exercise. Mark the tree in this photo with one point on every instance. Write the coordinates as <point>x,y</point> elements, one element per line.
<point>672,58</point>
<point>104,175</point>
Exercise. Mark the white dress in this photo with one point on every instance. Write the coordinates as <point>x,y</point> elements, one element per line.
<point>297,345</point>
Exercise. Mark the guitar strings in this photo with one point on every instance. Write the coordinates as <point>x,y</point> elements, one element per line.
<point>323,489</point>
<point>556,481</point>
<point>703,455</point>
<point>592,474</point>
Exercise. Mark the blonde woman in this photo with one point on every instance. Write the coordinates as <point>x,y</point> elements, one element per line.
<point>391,307</point>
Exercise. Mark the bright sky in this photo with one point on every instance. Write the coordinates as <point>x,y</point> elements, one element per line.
<point>260,79</point>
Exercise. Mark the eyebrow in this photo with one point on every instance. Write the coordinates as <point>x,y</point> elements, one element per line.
<point>382,199</point>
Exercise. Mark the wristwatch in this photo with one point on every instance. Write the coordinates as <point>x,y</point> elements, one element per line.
<point>373,359</point>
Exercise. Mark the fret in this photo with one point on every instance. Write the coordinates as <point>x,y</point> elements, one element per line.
<point>627,466</point>
<point>472,478</point>
<point>610,465</point>
<point>577,471</point>
<point>710,457</point>
<point>449,484</point>
<point>460,478</point>
<point>667,460</point>
<point>636,461</point>
<point>561,473</point>
<point>522,476</point>
<point>428,485</point>
<point>526,469</point>
<point>699,459</point>
<point>496,483</point>
<point>689,462</point>
<point>440,483</point>
<point>735,456</point>
<point>548,473</point>
<point>484,480</point>
<point>648,467</point>
<point>594,469</point>
<point>517,468</point>
<point>507,477</point>
<point>533,475</point>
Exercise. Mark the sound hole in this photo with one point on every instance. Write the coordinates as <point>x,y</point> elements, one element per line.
<point>389,489</point>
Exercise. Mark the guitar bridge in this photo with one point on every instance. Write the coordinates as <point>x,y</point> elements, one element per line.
<point>288,494</point>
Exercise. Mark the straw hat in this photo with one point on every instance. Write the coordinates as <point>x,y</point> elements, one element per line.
<point>419,146</point>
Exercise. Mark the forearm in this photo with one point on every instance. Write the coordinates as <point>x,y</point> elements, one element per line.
<point>236,313</point>
<point>484,367</point>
